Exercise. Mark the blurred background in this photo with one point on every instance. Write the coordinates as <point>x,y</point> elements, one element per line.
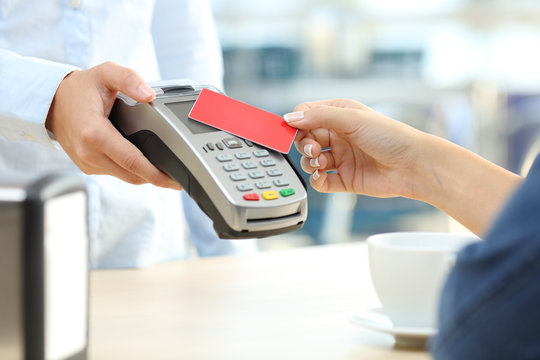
<point>467,70</point>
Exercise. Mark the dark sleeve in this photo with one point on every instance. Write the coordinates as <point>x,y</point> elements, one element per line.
<point>490,306</point>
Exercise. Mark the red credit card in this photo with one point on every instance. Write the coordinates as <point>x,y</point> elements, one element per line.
<point>243,120</point>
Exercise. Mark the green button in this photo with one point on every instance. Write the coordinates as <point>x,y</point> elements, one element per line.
<point>287,192</point>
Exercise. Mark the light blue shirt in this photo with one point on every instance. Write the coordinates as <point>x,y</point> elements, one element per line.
<point>41,41</point>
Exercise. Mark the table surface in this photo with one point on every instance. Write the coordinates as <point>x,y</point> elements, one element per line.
<point>290,304</point>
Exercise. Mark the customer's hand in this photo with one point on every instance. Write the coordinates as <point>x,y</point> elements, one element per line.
<point>78,118</point>
<point>377,156</point>
<point>372,154</point>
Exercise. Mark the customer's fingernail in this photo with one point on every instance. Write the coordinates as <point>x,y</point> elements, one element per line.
<point>316,175</point>
<point>307,149</point>
<point>314,162</point>
<point>294,116</point>
<point>145,91</point>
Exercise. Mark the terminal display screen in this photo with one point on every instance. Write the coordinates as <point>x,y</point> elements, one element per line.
<point>181,110</point>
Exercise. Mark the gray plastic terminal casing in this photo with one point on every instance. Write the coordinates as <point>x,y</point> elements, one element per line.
<point>215,174</point>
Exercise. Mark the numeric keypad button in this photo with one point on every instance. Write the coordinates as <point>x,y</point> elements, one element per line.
<point>263,185</point>
<point>244,187</point>
<point>242,155</point>
<point>268,162</point>
<point>238,177</point>
<point>249,165</point>
<point>224,157</point>
<point>281,182</point>
<point>274,172</point>
<point>261,153</point>
<point>256,174</point>
<point>231,167</point>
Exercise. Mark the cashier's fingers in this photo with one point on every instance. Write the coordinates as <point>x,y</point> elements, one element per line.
<point>131,178</point>
<point>134,162</point>
<point>108,167</point>
<point>130,159</point>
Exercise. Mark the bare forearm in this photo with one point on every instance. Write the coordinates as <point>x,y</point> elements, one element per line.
<point>464,185</point>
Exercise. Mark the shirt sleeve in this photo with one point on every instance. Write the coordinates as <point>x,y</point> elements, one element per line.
<point>27,88</point>
<point>490,304</point>
<point>186,42</point>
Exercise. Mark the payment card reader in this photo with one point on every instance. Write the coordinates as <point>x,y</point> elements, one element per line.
<point>249,191</point>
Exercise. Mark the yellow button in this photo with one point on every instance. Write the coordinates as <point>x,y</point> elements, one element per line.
<point>270,195</point>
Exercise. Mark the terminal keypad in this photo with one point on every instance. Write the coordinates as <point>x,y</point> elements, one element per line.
<point>255,173</point>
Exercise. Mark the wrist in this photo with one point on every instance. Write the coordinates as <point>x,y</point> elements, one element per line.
<point>49,119</point>
<point>52,113</point>
<point>461,183</point>
<point>431,172</point>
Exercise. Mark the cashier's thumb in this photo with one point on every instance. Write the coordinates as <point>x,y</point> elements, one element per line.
<point>342,120</point>
<point>118,78</point>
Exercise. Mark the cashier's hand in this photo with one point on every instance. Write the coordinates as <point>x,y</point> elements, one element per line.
<point>371,154</point>
<point>78,118</point>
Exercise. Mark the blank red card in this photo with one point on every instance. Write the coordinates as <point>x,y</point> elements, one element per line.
<point>243,120</point>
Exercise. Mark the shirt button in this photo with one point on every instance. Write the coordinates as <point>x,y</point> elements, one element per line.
<point>75,4</point>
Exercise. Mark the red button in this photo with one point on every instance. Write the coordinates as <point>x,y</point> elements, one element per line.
<point>251,197</point>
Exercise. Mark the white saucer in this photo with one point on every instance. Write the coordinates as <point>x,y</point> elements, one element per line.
<point>375,319</point>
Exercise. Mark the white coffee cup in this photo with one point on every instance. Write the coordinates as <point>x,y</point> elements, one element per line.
<point>408,270</point>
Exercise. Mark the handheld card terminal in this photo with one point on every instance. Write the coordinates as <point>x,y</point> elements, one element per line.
<point>247,190</point>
